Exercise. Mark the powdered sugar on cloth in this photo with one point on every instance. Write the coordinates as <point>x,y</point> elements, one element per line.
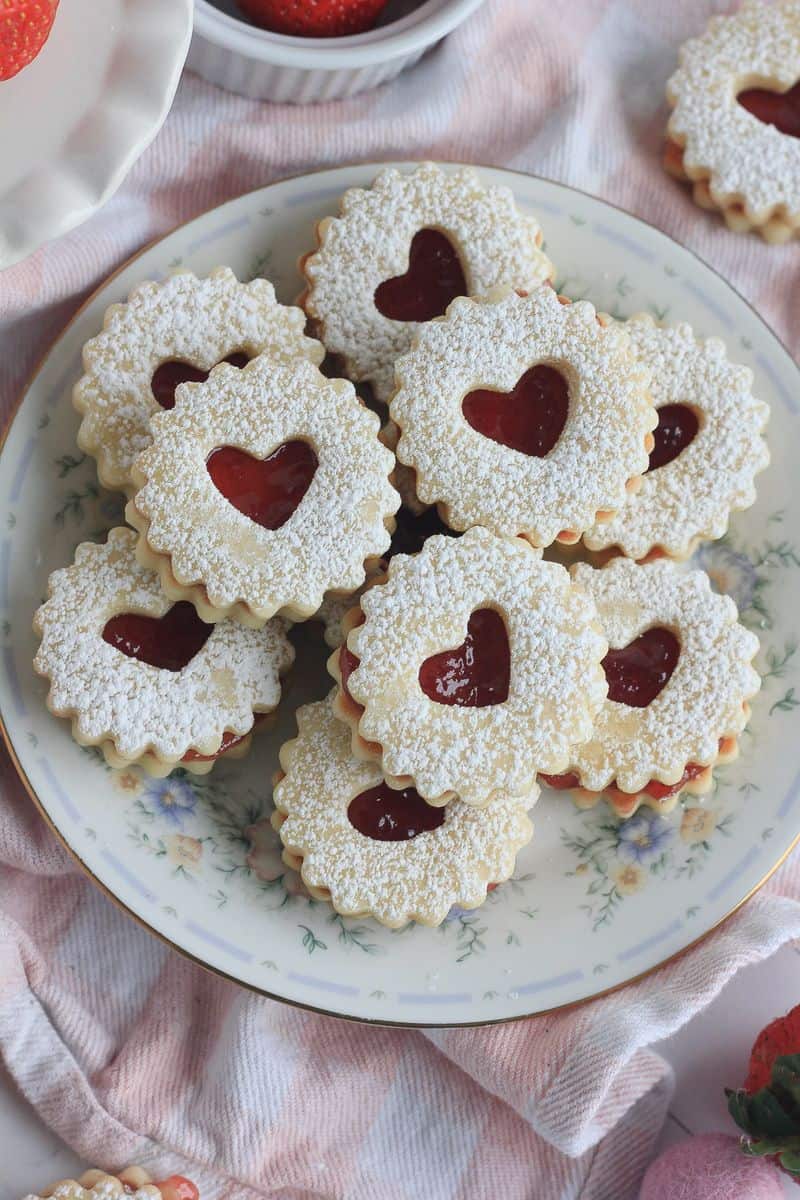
<point>130,1052</point>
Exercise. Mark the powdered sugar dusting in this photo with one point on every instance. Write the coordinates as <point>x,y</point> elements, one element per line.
<point>691,497</point>
<point>491,344</point>
<point>334,608</point>
<point>200,321</point>
<point>138,707</point>
<point>703,700</point>
<point>746,159</point>
<point>340,522</point>
<point>396,882</point>
<point>369,243</point>
<point>556,686</point>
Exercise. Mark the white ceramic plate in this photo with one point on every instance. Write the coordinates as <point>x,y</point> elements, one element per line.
<point>73,123</point>
<point>595,902</point>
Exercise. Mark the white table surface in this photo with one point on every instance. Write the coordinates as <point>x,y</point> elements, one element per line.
<point>708,1054</point>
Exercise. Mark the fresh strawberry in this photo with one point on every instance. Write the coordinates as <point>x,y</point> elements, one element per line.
<point>24,28</point>
<point>177,1188</point>
<point>767,1108</point>
<point>780,1037</point>
<point>313,18</point>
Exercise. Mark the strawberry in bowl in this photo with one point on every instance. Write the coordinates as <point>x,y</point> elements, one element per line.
<point>314,18</point>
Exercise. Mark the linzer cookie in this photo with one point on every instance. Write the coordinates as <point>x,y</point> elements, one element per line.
<point>373,850</point>
<point>734,132</point>
<point>475,663</point>
<point>167,334</point>
<point>264,488</point>
<point>403,478</point>
<point>333,611</point>
<point>145,680</point>
<point>402,250</point>
<point>524,414</point>
<point>134,1183</point>
<point>680,676</point>
<point>708,446</point>
<point>412,529</point>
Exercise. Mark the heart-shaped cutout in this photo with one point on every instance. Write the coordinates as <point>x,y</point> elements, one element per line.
<point>387,815</point>
<point>677,428</point>
<point>475,674</point>
<point>267,490</point>
<point>169,642</point>
<point>781,109</point>
<point>170,374</point>
<point>638,672</point>
<point>531,418</point>
<point>433,280</point>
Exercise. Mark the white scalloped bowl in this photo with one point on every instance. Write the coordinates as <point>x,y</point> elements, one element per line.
<point>230,52</point>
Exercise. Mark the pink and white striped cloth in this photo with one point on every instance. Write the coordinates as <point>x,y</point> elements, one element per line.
<point>131,1053</point>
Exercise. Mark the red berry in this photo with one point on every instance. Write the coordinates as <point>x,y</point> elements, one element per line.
<point>177,1188</point>
<point>24,28</point>
<point>313,18</point>
<point>780,1037</point>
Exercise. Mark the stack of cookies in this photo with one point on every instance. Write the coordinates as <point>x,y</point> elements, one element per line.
<point>508,431</point>
<point>734,132</point>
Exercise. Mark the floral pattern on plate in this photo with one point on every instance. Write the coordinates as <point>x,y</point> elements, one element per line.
<point>622,896</point>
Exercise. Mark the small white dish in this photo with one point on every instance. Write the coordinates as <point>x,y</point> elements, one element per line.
<point>229,51</point>
<point>73,123</point>
<point>595,902</point>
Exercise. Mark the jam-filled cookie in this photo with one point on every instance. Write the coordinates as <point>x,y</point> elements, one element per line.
<point>333,612</point>
<point>134,1183</point>
<point>402,250</point>
<point>413,527</point>
<point>525,414</point>
<point>735,127</point>
<point>264,488</point>
<point>403,477</point>
<point>680,676</point>
<point>373,850</point>
<point>708,446</point>
<point>145,679</point>
<point>475,663</point>
<point>167,334</point>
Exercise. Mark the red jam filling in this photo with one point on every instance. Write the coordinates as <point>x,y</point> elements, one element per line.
<point>637,673</point>
<point>531,418</point>
<point>167,377</point>
<point>169,642</point>
<point>267,490</point>
<point>229,740</point>
<point>658,791</point>
<point>347,664</point>
<point>677,428</point>
<point>781,109</point>
<point>413,530</point>
<point>561,783</point>
<point>387,815</point>
<point>475,674</point>
<point>433,280</point>
<point>177,1188</point>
